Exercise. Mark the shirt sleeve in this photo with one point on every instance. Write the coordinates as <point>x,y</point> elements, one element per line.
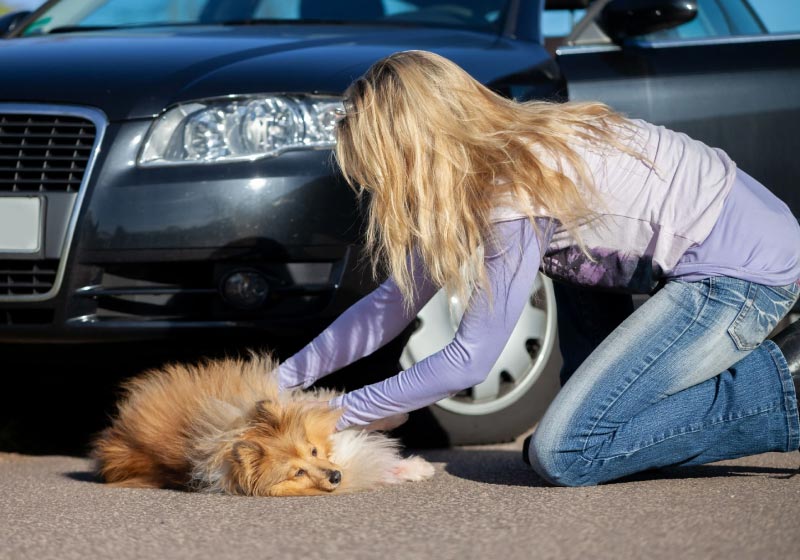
<point>481,336</point>
<point>365,327</point>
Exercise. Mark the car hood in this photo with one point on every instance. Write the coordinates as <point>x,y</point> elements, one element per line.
<point>137,73</point>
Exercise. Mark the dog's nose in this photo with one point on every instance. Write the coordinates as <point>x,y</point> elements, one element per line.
<point>335,477</point>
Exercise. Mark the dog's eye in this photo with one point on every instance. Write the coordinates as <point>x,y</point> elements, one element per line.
<point>314,452</point>
<point>300,472</point>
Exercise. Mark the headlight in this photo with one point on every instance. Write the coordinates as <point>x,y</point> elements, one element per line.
<point>240,128</point>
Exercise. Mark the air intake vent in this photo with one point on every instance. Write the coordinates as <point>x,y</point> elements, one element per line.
<point>44,152</point>
<point>27,277</point>
<point>26,316</point>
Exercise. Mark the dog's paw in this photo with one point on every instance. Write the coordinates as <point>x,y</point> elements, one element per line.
<point>412,469</point>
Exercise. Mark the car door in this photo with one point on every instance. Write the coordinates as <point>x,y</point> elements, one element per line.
<point>730,77</point>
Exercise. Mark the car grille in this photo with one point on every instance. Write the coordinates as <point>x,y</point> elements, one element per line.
<point>44,152</point>
<point>27,277</point>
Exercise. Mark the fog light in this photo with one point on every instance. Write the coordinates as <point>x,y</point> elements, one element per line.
<point>246,289</point>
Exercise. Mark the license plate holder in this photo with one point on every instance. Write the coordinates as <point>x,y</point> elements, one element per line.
<point>21,219</point>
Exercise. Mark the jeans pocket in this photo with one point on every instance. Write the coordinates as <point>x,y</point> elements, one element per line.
<point>763,308</point>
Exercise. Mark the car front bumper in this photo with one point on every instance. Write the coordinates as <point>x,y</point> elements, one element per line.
<point>152,248</point>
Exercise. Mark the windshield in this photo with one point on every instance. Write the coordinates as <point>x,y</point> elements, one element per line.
<point>76,15</point>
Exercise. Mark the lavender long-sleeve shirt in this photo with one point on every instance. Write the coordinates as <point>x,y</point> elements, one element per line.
<point>380,316</point>
<point>698,217</point>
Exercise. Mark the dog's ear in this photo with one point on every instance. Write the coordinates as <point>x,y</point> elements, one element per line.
<point>246,452</point>
<point>245,458</point>
<point>268,413</point>
<point>320,420</point>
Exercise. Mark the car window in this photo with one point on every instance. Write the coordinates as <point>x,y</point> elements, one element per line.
<point>101,13</point>
<point>71,15</point>
<point>715,18</point>
<point>292,9</point>
<point>559,23</point>
<point>778,16</point>
<point>144,11</point>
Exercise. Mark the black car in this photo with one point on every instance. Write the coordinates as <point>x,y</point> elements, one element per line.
<point>165,166</point>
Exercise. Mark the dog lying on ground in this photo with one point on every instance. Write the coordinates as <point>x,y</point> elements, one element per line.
<point>223,426</point>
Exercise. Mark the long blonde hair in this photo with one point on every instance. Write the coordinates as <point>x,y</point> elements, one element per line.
<point>435,150</point>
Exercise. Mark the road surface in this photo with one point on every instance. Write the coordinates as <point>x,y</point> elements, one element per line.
<point>482,503</point>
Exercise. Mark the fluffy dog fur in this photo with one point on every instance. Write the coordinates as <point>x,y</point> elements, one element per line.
<point>222,426</point>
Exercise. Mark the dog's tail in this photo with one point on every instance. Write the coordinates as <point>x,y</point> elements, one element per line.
<point>120,462</point>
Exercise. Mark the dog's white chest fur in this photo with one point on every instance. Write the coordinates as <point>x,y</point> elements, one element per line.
<point>369,459</point>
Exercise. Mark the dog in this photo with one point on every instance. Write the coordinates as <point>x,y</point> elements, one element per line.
<point>224,426</point>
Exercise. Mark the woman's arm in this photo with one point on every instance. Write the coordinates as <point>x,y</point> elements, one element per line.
<point>478,343</point>
<point>366,326</point>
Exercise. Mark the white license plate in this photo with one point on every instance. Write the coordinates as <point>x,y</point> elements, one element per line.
<point>20,224</point>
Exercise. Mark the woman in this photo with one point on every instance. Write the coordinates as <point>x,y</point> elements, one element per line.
<point>471,192</point>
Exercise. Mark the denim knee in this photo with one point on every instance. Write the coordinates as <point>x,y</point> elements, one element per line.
<point>559,467</point>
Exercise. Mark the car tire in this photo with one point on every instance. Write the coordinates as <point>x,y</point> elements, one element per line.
<point>517,394</point>
<point>507,424</point>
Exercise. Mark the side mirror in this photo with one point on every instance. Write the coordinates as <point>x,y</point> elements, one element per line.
<point>628,18</point>
<point>9,22</point>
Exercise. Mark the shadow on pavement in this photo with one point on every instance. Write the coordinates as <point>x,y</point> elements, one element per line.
<point>709,471</point>
<point>491,466</point>
<point>83,476</point>
<point>505,467</point>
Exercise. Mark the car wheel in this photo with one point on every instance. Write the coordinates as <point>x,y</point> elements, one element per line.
<point>519,387</point>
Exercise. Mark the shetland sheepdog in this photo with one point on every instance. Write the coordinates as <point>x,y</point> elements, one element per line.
<point>223,426</point>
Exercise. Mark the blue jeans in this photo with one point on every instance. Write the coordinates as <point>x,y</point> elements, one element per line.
<point>686,379</point>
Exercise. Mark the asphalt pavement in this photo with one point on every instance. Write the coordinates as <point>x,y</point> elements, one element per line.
<point>483,502</point>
